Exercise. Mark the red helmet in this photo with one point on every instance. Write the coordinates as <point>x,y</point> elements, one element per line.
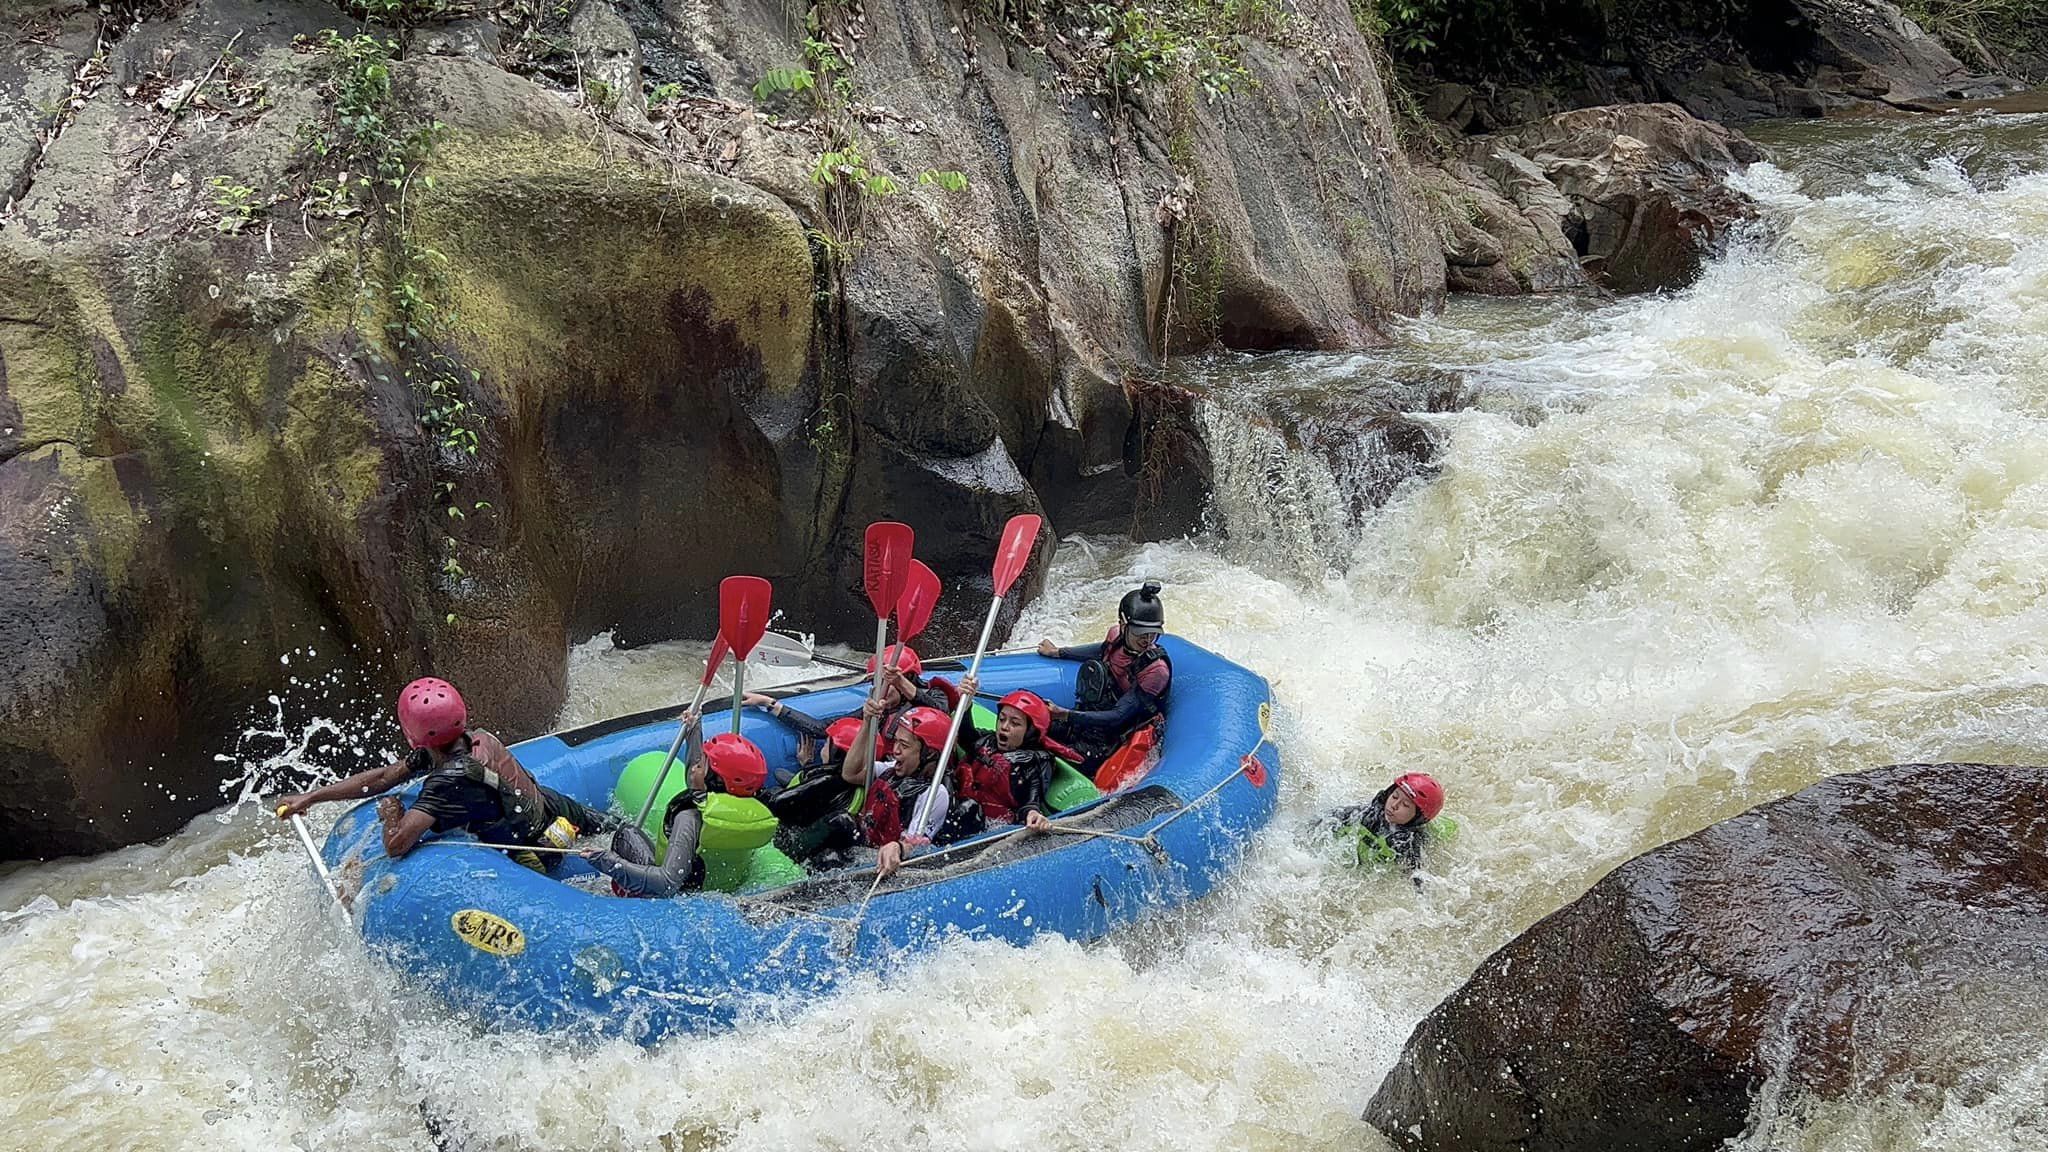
<point>929,725</point>
<point>1422,788</point>
<point>1032,705</point>
<point>906,662</point>
<point>842,731</point>
<point>738,762</point>
<point>431,713</point>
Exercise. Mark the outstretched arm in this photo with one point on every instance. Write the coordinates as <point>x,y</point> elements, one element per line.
<point>663,880</point>
<point>804,723</point>
<point>1052,651</point>
<point>362,784</point>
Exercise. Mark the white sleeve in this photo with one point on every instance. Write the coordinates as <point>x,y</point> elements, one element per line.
<point>935,815</point>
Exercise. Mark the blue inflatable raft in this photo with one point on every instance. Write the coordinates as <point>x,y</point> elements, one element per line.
<point>520,948</point>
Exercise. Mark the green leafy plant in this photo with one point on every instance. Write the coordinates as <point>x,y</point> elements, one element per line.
<point>664,94</point>
<point>947,179</point>
<point>379,148</point>
<point>844,171</point>
<point>601,97</point>
<point>397,12</point>
<point>781,80</point>
<point>234,205</point>
<point>1132,45</point>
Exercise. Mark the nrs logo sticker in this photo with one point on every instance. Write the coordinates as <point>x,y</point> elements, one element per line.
<point>1265,717</point>
<point>487,933</point>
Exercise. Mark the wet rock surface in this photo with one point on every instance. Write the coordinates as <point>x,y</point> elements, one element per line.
<point>1637,190</point>
<point>1878,933</point>
<point>1736,62</point>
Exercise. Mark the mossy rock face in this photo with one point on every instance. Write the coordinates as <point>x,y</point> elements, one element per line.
<point>642,339</point>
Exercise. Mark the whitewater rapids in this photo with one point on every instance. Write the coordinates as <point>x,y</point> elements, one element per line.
<point>1687,553</point>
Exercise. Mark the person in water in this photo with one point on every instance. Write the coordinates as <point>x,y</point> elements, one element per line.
<point>725,776</point>
<point>1394,825</point>
<point>1008,771</point>
<point>889,820</point>
<point>1123,682</point>
<point>473,783</point>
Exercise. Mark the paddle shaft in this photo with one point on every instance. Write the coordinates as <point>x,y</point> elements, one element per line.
<point>319,865</point>
<point>682,732</point>
<point>924,803</point>
<point>881,643</point>
<point>500,847</point>
<point>739,693</point>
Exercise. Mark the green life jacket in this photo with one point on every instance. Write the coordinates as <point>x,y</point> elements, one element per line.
<point>1373,850</point>
<point>735,827</point>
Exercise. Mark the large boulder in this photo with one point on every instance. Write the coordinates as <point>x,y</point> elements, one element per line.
<point>1503,236</point>
<point>1878,933</point>
<point>1639,190</point>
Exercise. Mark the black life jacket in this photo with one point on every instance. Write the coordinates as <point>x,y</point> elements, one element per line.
<point>518,794</point>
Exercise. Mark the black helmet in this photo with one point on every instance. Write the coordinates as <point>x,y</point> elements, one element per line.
<point>1142,608</point>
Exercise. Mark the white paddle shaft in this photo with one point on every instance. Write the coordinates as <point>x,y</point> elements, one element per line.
<point>319,865</point>
<point>924,803</point>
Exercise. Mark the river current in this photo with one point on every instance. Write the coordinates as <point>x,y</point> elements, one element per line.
<point>1683,554</point>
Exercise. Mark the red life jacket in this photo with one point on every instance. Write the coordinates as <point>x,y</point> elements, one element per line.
<point>888,809</point>
<point>1124,666</point>
<point>881,818</point>
<point>985,779</point>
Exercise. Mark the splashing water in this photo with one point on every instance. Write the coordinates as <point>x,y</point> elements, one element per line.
<point>1681,555</point>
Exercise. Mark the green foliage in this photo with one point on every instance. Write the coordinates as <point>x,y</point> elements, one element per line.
<point>1133,44</point>
<point>781,80</point>
<point>396,12</point>
<point>1983,32</point>
<point>234,205</point>
<point>947,179</point>
<point>844,171</point>
<point>1406,27</point>
<point>664,93</point>
<point>601,97</point>
<point>367,129</point>
<point>379,148</point>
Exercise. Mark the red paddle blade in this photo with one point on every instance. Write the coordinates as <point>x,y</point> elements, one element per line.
<point>718,650</point>
<point>743,611</point>
<point>920,596</point>
<point>885,565</point>
<point>1254,770</point>
<point>1018,537</point>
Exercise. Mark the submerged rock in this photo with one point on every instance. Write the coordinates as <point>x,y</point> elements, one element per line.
<point>1881,932</point>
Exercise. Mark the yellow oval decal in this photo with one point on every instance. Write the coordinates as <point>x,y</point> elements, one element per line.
<point>487,933</point>
<point>1265,716</point>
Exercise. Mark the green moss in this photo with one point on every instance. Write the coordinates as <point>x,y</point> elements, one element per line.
<point>50,376</point>
<point>544,243</point>
<point>330,443</point>
<point>116,526</point>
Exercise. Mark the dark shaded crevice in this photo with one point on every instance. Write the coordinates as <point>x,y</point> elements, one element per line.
<point>28,446</point>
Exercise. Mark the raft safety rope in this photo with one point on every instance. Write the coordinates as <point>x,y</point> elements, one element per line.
<point>1149,841</point>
